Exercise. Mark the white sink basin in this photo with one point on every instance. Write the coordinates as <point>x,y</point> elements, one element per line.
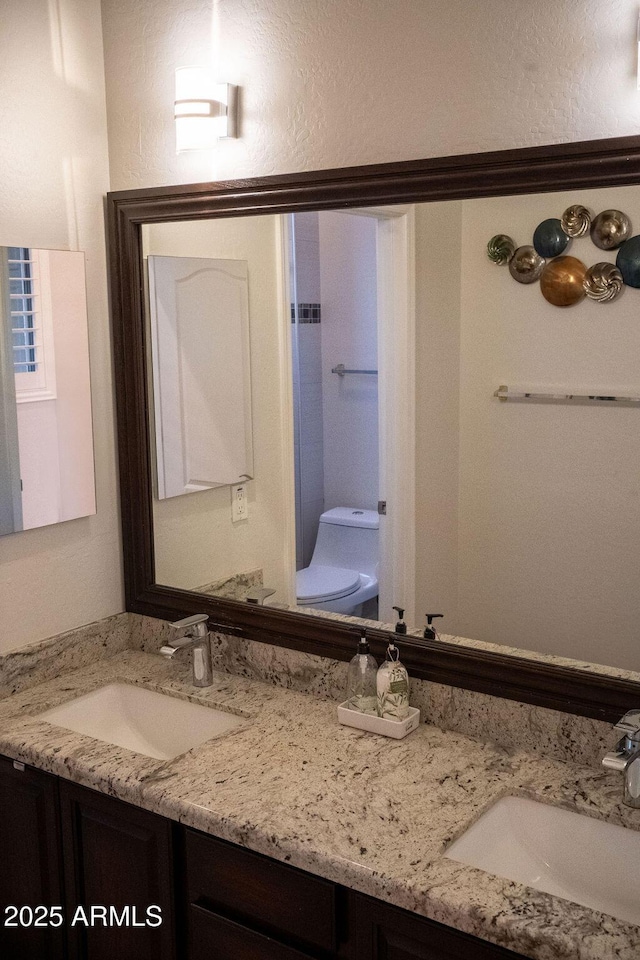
<point>142,720</point>
<point>572,856</point>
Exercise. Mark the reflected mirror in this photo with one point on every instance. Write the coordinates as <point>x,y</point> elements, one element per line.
<point>520,520</point>
<point>46,467</point>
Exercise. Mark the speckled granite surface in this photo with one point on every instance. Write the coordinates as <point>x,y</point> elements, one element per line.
<point>507,723</point>
<point>27,666</point>
<point>370,813</point>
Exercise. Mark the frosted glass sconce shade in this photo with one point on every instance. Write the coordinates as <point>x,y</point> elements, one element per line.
<point>204,111</point>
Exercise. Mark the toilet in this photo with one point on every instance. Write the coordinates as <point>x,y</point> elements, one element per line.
<point>343,573</point>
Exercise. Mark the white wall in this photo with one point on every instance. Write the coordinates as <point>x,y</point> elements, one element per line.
<point>196,541</point>
<point>528,515</point>
<point>54,173</point>
<point>438,266</point>
<point>349,336</point>
<point>549,511</point>
<point>348,82</point>
<point>73,402</point>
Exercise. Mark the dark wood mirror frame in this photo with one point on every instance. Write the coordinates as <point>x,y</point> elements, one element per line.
<point>597,163</point>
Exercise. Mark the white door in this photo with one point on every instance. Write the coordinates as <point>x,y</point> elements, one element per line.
<point>200,349</point>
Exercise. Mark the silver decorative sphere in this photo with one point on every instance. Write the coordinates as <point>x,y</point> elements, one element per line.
<point>610,229</point>
<point>526,265</point>
<point>500,249</point>
<point>603,282</point>
<point>576,220</point>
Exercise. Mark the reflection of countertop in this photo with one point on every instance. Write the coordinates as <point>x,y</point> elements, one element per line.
<point>370,813</point>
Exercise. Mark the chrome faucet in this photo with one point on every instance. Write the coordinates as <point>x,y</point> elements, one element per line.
<point>192,633</point>
<point>626,757</point>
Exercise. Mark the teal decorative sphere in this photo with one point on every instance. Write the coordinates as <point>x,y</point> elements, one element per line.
<point>628,261</point>
<point>549,238</point>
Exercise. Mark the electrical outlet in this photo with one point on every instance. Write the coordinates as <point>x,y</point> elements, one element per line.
<point>239,503</point>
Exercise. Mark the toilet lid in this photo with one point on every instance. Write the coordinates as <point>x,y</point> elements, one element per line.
<point>325,583</point>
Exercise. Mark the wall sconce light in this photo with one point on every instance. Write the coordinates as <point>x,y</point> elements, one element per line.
<point>204,111</point>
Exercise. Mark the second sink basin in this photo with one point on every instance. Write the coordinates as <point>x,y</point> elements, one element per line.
<point>578,858</point>
<point>141,720</point>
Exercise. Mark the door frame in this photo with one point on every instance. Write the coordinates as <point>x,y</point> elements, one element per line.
<point>396,406</point>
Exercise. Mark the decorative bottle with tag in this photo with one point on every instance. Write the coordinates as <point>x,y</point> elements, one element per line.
<point>392,685</point>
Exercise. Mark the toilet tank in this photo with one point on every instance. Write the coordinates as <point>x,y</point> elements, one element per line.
<point>348,537</point>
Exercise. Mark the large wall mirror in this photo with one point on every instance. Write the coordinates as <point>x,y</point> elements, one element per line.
<point>321,361</point>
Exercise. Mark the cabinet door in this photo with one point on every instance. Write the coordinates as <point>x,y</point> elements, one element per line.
<point>116,856</point>
<point>387,933</point>
<point>30,872</point>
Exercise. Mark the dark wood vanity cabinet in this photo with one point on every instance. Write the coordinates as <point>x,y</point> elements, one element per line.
<point>383,932</point>
<point>121,857</point>
<point>244,904</point>
<point>65,846</point>
<point>30,863</point>
<point>68,846</point>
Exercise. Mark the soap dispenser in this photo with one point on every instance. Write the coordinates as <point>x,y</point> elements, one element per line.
<point>401,626</point>
<point>392,682</point>
<point>361,679</point>
<point>430,632</point>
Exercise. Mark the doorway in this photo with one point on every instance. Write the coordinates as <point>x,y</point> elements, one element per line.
<point>351,338</point>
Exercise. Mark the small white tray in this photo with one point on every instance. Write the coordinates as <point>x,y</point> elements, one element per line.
<point>387,728</point>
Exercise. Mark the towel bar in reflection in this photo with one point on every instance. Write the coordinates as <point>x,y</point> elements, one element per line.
<point>504,393</point>
<point>341,370</point>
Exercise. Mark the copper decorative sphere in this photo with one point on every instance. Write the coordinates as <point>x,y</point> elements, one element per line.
<point>562,281</point>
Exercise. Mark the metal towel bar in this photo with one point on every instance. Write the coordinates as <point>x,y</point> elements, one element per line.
<point>341,370</point>
<point>504,393</point>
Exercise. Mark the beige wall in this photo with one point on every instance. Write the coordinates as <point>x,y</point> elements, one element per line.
<point>54,173</point>
<point>343,82</point>
<point>438,265</point>
<point>196,541</point>
<point>528,515</point>
<point>549,536</point>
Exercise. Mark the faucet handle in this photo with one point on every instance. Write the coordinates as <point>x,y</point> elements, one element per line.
<point>259,594</point>
<point>629,726</point>
<point>195,626</point>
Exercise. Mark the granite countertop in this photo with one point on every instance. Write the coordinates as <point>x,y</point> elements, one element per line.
<point>371,813</point>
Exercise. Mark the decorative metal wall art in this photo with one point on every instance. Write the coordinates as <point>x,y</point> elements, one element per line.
<point>565,280</point>
<point>628,261</point>
<point>500,249</point>
<point>562,281</point>
<point>603,281</point>
<point>526,265</point>
<point>576,221</point>
<point>610,229</point>
<point>549,238</point>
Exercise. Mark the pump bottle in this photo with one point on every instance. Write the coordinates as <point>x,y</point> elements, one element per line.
<point>361,679</point>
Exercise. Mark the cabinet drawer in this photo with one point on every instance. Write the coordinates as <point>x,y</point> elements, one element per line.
<point>384,932</point>
<point>260,892</point>
<point>212,936</point>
